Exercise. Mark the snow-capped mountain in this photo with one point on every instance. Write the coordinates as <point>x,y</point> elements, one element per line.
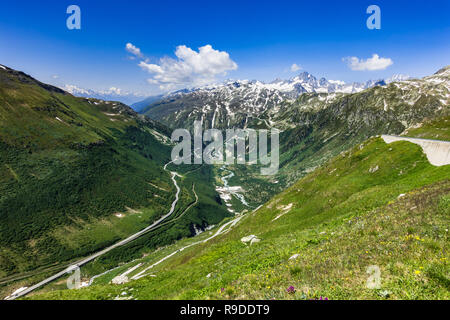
<point>305,82</point>
<point>111,94</point>
<point>397,78</point>
<point>236,102</point>
<point>401,100</point>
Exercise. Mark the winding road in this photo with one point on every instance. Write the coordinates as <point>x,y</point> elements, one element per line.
<point>219,232</point>
<point>108,249</point>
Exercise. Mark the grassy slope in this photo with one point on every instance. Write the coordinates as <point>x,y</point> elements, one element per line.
<point>438,129</point>
<point>68,166</point>
<point>343,219</point>
<point>67,161</point>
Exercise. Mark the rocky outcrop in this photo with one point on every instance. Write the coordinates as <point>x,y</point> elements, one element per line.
<point>251,239</point>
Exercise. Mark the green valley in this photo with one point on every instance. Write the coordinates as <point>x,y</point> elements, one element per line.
<point>319,236</point>
<point>80,174</point>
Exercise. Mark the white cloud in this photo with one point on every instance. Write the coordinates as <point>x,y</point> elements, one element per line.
<point>113,90</point>
<point>133,50</point>
<point>371,64</point>
<point>191,68</point>
<point>295,67</point>
<point>151,68</point>
<point>55,76</point>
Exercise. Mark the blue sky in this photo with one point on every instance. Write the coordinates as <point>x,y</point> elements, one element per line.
<point>263,38</point>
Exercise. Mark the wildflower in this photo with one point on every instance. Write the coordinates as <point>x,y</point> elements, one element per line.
<point>291,289</point>
<point>417,272</point>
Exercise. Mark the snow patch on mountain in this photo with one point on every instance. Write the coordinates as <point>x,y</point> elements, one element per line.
<point>111,94</point>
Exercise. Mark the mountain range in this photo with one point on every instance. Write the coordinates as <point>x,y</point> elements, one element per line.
<point>249,98</point>
<point>111,94</point>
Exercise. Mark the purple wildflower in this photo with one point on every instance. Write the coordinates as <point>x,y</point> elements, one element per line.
<point>291,289</point>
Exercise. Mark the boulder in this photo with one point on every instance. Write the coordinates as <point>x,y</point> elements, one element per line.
<point>248,239</point>
<point>374,169</point>
<point>120,280</point>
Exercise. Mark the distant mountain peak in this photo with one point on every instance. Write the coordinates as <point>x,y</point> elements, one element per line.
<point>111,94</point>
<point>397,78</point>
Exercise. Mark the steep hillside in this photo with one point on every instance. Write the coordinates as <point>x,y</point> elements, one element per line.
<point>375,205</point>
<point>79,174</point>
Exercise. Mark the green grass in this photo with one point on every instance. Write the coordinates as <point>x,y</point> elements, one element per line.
<point>342,220</point>
<point>68,165</point>
<point>438,129</point>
